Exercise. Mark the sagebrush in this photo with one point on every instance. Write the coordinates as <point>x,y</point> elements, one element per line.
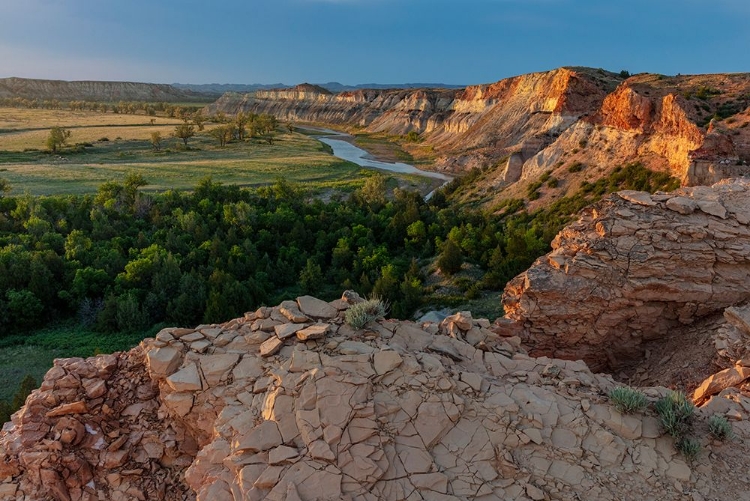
<point>359,314</point>
<point>627,400</point>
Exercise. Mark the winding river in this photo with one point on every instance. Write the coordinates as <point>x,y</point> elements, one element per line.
<point>347,151</point>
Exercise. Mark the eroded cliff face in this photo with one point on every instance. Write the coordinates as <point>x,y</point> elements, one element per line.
<point>290,403</point>
<point>521,127</point>
<point>634,268</point>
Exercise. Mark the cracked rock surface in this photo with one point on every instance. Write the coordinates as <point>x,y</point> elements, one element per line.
<point>290,403</point>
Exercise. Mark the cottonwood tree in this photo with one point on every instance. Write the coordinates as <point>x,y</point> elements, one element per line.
<point>223,133</point>
<point>184,131</point>
<point>57,138</point>
<point>199,120</point>
<point>156,140</point>
<point>240,122</point>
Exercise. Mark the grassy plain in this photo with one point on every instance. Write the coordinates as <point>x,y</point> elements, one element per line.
<point>395,148</point>
<point>127,148</point>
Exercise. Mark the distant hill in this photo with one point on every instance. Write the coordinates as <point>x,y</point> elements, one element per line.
<point>338,87</point>
<point>28,88</point>
<point>219,89</point>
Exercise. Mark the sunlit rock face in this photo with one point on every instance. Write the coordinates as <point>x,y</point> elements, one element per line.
<point>631,269</point>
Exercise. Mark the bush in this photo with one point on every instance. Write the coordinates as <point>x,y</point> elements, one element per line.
<point>576,167</point>
<point>413,136</point>
<point>359,314</point>
<point>675,414</point>
<point>720,427</point>
<point>627,400</point>
<point>689,447</point>
<point>450,259</point>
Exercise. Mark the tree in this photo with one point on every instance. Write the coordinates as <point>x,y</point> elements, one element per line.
<point>240,122</point>
<point>5,186</point>
<point>374,190</point>
<point>223,133</point>
<point>450,259</point>
<point>57,138</point>
<point>199,120</point>
<point>156,140</point>
<point>311,277</point>
<point>184,131</point>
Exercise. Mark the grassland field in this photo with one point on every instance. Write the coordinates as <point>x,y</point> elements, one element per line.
<point>118,144</point>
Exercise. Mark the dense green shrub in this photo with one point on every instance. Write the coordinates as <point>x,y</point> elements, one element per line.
<point>627,400</point>
<point>689,447</point>
<point>576,167</point>
<point>720,427</point>
<point>676,413</point>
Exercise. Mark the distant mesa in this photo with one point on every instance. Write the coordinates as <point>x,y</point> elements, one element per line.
<point>89,90</point>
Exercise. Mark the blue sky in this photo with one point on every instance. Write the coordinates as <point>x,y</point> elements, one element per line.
<point>365,41</point>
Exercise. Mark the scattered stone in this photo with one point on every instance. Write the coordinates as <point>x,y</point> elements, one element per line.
<point>162,362</point>
<point>317,331</point>
<point>637,197</point>
<point>682,205</point>
<point>78,407</point>
<point>285,331</point>
<point>186,379</point>
<point>282,454</point>
<point>721,380</point>
<point>271,346</point>
<point>290,310</point>
<point>263,437</point>
<point>351,297</point>
<point>315,308</point>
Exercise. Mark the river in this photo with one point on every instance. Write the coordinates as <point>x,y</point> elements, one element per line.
<point>347,151</point>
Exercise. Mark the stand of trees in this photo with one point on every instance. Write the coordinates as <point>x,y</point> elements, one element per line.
<point>123,260</point>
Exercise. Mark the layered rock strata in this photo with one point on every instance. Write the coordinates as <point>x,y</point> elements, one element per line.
<point>632,268</point>
<point>517,129</point>
<point>290,403</point>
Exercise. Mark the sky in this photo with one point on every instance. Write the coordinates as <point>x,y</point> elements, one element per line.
<point>365,41</point>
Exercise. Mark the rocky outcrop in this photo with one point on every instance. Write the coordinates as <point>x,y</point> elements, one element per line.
<point>93,91</point>
<point>290,403</point>
<point>632,268</point>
